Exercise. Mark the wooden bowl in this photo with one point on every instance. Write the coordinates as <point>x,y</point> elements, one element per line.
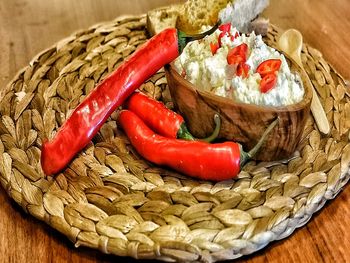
<point>243,123</point>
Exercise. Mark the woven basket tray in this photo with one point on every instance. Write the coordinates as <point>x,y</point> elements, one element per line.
<point>112,200</point>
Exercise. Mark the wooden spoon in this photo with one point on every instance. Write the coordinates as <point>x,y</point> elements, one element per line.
<point>291,42</point>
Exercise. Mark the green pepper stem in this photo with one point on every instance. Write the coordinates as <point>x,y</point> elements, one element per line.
<point>215,134</point>
<point>245,156</point>
<point>184,39</point>
<point>183,132</point>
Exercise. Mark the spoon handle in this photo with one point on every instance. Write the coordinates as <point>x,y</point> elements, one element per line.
<point>291,43</point>
<point>316,106</point>
<point>318,112</point>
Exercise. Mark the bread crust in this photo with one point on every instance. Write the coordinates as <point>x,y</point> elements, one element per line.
<point>196,13</point>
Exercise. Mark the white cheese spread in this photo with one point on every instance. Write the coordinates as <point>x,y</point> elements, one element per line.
<point>212,73</point>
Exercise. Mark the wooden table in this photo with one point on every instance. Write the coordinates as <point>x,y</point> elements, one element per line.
<point>29,26</point>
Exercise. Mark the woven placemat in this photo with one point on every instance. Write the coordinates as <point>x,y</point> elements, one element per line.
<point>112,200</point>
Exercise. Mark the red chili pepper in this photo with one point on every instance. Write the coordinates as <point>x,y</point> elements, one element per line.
<point>268,66</point>
<point>206,161</point>
<point>163,120</point>
<point>94,110</point>
<point>268,82</point>
<point>242,70</point>
<point>237,54</point>
<point>214,47</point>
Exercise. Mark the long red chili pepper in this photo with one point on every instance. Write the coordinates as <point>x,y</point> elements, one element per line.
<point>163,120</point>
<point>90,115</point>
<point>206,161</point>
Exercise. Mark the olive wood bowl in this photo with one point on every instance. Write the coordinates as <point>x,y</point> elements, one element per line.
<point>240,122</point>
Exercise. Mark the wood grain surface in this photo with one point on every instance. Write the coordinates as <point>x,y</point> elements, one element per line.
<point>29,26</point>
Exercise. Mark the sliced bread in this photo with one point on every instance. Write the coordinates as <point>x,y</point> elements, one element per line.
<point>162,18</point>
<point>198,13</point>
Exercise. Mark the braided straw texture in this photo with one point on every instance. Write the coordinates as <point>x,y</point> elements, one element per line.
<point>112,200</point>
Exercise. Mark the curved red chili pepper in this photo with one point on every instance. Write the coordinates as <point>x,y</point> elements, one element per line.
<point>194,158</point>
<point>89,116</point>
<point>155,114</point>
<point>163,120</point>
<point>206,161</point>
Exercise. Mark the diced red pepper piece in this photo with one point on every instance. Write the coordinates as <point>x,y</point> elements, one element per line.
<point>234,37</point>
<point>235,59</point>
<point>268,66</point>
<point>268,82</point>
<point>222,34</point>
<point>242,70</point>
<point>214,47</point>
<point>225,27</point>
<point>237,54</point>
